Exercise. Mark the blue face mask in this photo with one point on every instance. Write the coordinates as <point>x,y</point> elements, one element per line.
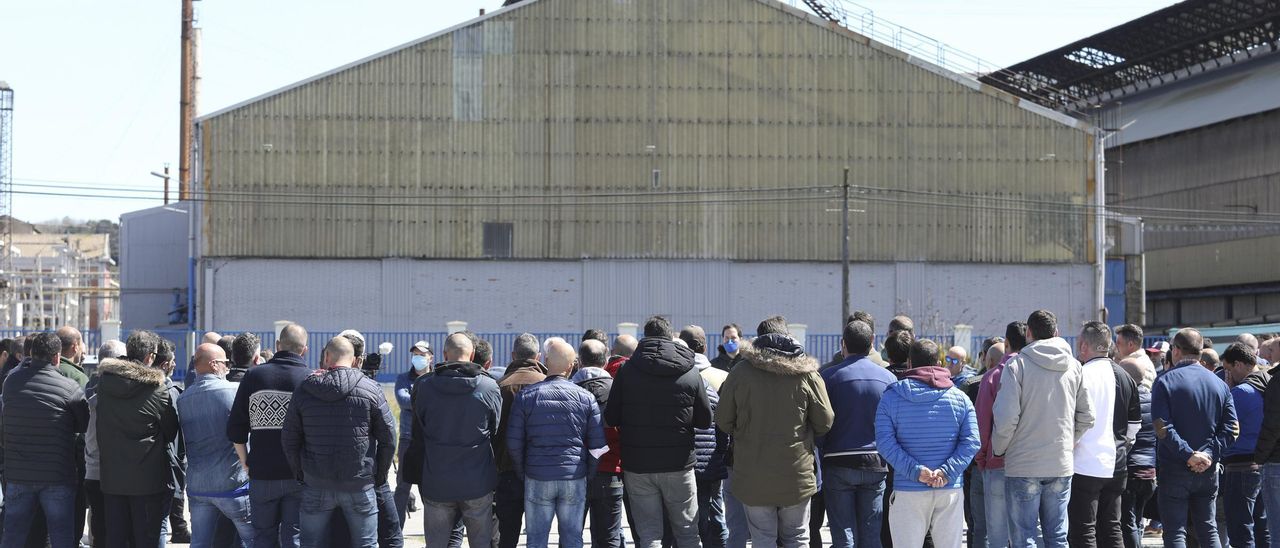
<point>420,363</point>
<point>731,346</point>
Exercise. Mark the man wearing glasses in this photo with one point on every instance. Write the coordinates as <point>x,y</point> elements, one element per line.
<point>217,484</point>
<point>957,363</point>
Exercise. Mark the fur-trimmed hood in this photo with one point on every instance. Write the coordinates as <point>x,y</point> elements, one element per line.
<point>126,379</point>
<point>772,362</point>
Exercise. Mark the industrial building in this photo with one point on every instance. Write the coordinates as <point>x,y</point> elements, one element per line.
<point>558,164</point>
<point>59,279</point>
<point>1192,95</point>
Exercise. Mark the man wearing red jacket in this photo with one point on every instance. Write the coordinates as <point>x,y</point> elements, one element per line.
<point>992,467</point>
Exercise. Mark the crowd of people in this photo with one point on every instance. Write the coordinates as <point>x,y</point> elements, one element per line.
<point>1034,442</point>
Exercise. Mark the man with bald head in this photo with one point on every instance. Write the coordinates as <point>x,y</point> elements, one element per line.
<point>554,439</point>
<point>217,483</point>
<point>255,421</point>
<point>336,419</point>
<point>72,355</point>
<point>623,347</point>
<point>452,460</point>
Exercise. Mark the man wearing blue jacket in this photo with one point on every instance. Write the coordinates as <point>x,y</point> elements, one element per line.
<point>1195,422</point>
<point>928,431</point>
<point>554,438</point>
<point>853,471</point>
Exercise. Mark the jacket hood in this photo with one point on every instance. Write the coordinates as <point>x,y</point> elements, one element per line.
<point>924,384</point>
<point>661,357</point>
<point>1258,380</point>
<point>126,379</point>
<point>333,384</point>
<point>766,359</point>
<point>590,373</point>
<point>1051,354</point>
<point>458,377</point>
<point>700,362</point>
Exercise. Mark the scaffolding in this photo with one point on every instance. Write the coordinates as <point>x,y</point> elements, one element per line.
<point>7,289</point>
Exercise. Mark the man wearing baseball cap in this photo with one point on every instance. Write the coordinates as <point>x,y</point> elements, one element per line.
<point>1157,353</point>
<point>421,360</point>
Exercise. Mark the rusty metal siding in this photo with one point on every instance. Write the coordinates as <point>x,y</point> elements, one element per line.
<point>562,97</point>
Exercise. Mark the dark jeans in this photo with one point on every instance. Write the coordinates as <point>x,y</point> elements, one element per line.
<point>604,506</point>
<point>273,508</point>
<point>58,503</point>
<point>136,519</point>
<point>1093,513</point>
<point>1187,498</point>
<point>508,507</point>
<point>1137,493</point>
<point>817,515</point>
<point>360,508</point>
<point>855,506</point>
<point>1245,510</point>
<point>97,512</point>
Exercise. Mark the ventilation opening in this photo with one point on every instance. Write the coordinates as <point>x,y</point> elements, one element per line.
<point>497,240</point>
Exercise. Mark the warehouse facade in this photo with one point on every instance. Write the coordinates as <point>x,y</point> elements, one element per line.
<point>556,165</point>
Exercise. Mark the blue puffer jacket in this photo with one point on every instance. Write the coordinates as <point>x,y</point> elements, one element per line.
<point>553,424</point>
<point>1143,453</point>
<point>924,421</point>
<point>710,446</point>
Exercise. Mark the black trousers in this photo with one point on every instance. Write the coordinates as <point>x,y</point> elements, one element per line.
<point>1133,505</point>
<point>508,507</point>
<point>136,520</point>
<point>1093,514</point>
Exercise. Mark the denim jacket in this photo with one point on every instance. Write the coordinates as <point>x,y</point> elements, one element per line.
<point>213,469</point>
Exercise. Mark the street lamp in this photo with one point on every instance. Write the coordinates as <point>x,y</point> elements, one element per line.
<point>164,176</point>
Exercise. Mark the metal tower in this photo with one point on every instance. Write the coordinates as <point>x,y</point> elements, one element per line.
<point>7,289</point>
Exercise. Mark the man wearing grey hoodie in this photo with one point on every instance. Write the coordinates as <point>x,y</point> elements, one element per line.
<point>1041,412</point>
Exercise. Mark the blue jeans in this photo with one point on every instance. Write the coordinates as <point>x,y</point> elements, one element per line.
<point>273,504</point>
<point>205,512</point>
<point>1185,495</point>
<point>855,502</point>
<point>58,503</point>
<point>360,508</point>
<point>711,524</point>
<point>1271,496</point>
<point>995,506</point>
<point>1041,501</point>
<point>735,517</point>
<point>1245,510</point>
<point>565,500</point>
<point>976,499</point>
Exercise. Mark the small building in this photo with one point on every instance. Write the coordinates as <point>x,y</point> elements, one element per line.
<point>62,279</point>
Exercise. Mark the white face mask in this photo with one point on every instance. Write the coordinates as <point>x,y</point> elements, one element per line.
<point>420,363</point>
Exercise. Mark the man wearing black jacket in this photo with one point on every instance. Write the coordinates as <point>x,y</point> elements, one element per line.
<point>43,412</point>
<point>656,402</point>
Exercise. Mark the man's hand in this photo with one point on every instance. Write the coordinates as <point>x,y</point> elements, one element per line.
<point>939,479</point>
<point>1199,462</point>
<point>926,476</point>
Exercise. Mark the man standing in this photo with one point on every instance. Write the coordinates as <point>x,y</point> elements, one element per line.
<point>1040,413</point>
<point>958,365</point>
<point>853,470</point>
<point>43,414</point>
<point>657,401</point>
<point>709,448</point>
<point>773,406</point>
<point>1094,510</point>
<point>1132,357</point>
<point>453,459</point>
<point>136,421</point>
<point>623,347</point>
<point>554,439</point>
<point>604,490</point>
<point>419,364</point>
<point>730,343</point>
<point>333,418</point>
<point>257,415</point>
<point>1242,480</point>
<point>1267,455</point>
<point>245,354</point>
<point>928,431</point>
<point>1195,422</point>
<point>217,483</point>
<point>71,366</point>
<point>994,504</point>
<point>525,370</point>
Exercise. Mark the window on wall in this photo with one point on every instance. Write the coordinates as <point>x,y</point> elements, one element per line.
<point>498,240</point>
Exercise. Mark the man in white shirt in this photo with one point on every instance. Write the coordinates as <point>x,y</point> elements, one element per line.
<point>1095,454</point>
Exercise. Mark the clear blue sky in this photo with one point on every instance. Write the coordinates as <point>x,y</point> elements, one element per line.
<point>97,82</point>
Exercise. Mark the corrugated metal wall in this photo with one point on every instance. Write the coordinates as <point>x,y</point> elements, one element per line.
<point>1231,167</point>
<point>556,97</point>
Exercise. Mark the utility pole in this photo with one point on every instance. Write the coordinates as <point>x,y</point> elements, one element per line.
<point>187,101</point>
<point>165,176</point>
<point>844,252</point>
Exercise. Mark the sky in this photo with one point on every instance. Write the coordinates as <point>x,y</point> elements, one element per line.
<point>96,83</point>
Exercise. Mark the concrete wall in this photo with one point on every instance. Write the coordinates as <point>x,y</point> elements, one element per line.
<point>550,296</point>
<point>153,264</point>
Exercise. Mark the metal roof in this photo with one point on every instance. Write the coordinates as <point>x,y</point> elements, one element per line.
<point>1158,48</point>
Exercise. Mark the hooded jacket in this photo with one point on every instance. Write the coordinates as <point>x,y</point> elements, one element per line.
<point>924,421</point>
<point>1192,410</point>
<point>855,386</point>
<point>335,417</point>
<point>657,401</point>
<point>710,445</point>
<point>452,460</point>
<point>713,377</point>
<point>773,407</point>
<point>1248,398</point>
<point>42,414</point>
<point>136,421</point>
<point>1041,411</point>
<point>519,374</point>
<point>553,424</point>
<point>597,381</point>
